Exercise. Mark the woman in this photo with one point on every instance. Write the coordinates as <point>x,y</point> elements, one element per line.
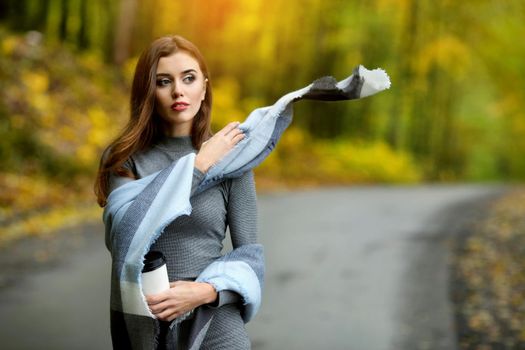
<point>170,117</point>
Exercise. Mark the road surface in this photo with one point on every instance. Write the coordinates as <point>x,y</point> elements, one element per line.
<point>363,268</point>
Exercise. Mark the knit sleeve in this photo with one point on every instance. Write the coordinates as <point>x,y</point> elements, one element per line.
<point>225,297</point>
<point>198,176</point>
<point>242,210</point>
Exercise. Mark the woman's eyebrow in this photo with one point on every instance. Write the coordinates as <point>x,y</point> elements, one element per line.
<point>183,72</point>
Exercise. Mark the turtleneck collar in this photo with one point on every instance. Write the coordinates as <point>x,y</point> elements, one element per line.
<point>175,143</point>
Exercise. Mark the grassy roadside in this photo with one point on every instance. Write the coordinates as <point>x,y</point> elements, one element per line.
<point>41,208</point>
<point>37,206</point>
<point>489,278</point>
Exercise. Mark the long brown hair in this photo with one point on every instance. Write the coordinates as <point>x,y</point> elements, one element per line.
<point>144,127</point>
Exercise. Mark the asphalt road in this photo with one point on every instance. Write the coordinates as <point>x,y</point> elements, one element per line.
<point>363,268</point>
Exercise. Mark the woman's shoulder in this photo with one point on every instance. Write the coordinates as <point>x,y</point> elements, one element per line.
<point>245,182</point>
<point>128,163</point>
<point>149,161</point>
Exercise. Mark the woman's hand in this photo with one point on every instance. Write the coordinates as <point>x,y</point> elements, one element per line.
<point>182,297</point>
<point>217,146</point>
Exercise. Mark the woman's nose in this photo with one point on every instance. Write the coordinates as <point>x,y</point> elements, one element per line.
<point>176,90</point>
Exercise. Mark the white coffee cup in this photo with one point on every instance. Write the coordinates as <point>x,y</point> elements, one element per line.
<point>154,274</point>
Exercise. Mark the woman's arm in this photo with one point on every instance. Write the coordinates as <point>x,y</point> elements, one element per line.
<point>242,210</point>
<point>242,220</point>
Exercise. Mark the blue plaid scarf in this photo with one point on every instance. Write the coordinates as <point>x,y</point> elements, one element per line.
<point>138,212</point>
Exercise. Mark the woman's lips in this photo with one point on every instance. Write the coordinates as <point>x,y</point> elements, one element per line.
<point>179,106</point>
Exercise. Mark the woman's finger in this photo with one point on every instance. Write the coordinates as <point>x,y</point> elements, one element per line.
<point>228,128</point>
<point>235,132</point>
<point>169,314</point>
<point>238,138</point>
<point>155,309</point>
<point>153,299</point>
<point>165,314</point>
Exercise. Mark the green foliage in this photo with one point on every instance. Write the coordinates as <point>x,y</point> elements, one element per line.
<point>301,160</point>
<point>438,54</point>
<point>57,113</point>
<point>454,112</point>
<point>56,117</point>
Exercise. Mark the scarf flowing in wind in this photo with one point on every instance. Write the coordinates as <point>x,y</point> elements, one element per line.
<point>138,211</point>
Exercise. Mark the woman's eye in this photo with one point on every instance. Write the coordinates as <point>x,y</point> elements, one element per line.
<point>188,79</point>
<point>163,82</point>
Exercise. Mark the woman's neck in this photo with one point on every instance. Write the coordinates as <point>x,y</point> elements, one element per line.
<point>178,130</point>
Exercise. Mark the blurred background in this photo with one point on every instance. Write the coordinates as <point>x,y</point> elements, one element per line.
<point>455,111</point>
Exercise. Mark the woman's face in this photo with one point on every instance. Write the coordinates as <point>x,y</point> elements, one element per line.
<point>180,90</point>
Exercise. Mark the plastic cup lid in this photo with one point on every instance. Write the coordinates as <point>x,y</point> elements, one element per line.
<point>153,260</point>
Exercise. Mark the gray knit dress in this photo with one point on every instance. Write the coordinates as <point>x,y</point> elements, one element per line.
<point>190,243</point>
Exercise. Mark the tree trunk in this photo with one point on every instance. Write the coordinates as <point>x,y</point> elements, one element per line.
<point>405,76</point>
<point>64,14</point>
<point>40,18</point>
<point>83,40</point>
<point>4,10</point>
<point>124,30</point>
<point>17,14</point>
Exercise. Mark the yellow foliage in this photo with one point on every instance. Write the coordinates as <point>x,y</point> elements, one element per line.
<point>166,16</point>
<point>18,121</point>
<point>490,271</point>
<point>48,222</point>
<point>375,162</point>
<point>399,5</point>
<point>9,44</point>
<point>448,53</point>
<point>36,81</point>
<point>67,133</point>
<point>21,193</point>
<point>508,104</point>
<point>72,118</point>
<point>48,120</point>
<point>294,139</point>
<point>75,117</point>
<point>51,205</point>
<point>40,102</point>
<point>299,160</point>
<point>226,103</point>
<point>128,69</point>
<point>86,154</point>
<point>36,85</point>
<point>100,123</point>
<point>92,61</point>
